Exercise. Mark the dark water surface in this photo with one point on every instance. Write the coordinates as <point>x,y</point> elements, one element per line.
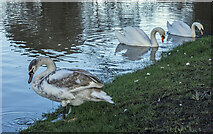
<point>78,35</point>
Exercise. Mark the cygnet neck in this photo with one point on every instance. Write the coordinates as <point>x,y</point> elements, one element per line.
<point>50,67</point>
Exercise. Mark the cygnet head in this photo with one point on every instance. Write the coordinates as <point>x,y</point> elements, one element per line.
<point>199,26</point>
<point>33,67</point>
<point>35,64</point>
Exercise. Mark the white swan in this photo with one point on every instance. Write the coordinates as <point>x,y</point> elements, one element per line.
<point>68,86</point>
<point>136,37</point>
<point>182,29</point>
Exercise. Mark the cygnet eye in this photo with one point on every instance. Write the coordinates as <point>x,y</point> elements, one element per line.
<point>32,70</point>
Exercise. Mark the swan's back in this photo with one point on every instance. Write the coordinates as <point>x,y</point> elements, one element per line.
<point>133,36</point>
<point>73,79</point>
<point>63,84</point>
<point>179,28</point>
<point>122,38</point>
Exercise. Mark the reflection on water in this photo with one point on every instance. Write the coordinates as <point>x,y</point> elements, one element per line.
<point>177,40</point>
<point>38,31</point>
<point>75,35</point>
<point>137,52</point>
<point>132,52</point>
<point>18,122</point>
<point>152,55</point>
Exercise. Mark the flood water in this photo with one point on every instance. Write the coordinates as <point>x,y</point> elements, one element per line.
<point>78,35</point>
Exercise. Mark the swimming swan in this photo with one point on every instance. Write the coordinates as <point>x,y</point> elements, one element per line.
<point>68,86</point>
<point>136,37</point>
<point>182,29</point>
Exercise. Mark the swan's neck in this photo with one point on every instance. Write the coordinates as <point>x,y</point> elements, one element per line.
<point>193,29</point>
<point>50,67</point>
<point>153,38</point>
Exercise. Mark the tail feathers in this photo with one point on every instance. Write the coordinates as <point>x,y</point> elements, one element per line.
<point>102,95</point>
<point>168,24</point>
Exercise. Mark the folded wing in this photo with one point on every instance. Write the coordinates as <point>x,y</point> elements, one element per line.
<point>179,28</point>
<point>73,80</point>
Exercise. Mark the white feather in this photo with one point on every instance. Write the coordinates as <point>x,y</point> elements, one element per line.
<point>179,28</point>
<point>91,85</point>
<point>60,74</point>
<point>102,95</point>
<point>133,36</point>
<point>62,93</point>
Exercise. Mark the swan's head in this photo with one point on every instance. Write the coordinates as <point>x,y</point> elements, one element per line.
<point>36,63</point>
<point>33,67</point>
<point>199,26</point>
<point>161,32</point>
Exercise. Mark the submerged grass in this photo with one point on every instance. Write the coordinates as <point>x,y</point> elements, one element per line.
<point>173,95</point>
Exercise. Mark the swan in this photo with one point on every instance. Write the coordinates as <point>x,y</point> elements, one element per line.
<point>182,29</point>
<point>68,86</point>
<point>134,36</point>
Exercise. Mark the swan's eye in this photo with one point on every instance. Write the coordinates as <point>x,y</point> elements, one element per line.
<point>163,36</point>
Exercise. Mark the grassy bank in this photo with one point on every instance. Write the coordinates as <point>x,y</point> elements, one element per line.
<point>173,95</point>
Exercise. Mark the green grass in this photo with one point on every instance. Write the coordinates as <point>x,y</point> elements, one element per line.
<point>175,97</point>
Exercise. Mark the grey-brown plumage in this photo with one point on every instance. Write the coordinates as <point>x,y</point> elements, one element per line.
<point>32,63</point>
<point>68,86</point>
<point>75,79</point>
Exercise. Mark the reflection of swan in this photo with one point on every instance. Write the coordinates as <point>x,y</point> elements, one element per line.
<point>68,86</point>
<point>136,52</point>
<point>182,29</point>
<point>134,36</point>
<point>177,40</point>
<point>152,55</point>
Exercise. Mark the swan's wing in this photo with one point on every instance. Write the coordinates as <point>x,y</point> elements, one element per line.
<point>126,38</point>
<point>121,38</point>
<point>179,28</point>
<point>137,36</point>
<point>131,35</point>
<point>146,39</point>
<point>174,28</point>
<point>88,74</point>
<point>182,26</point>
<point>169,27</point>
<point>72,79</point>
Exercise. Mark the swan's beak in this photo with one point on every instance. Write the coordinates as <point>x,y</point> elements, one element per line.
<point>30,77</point>
<point>201,31</point>
<point>162,37</point>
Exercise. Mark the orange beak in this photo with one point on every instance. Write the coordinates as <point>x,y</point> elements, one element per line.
<point>162,37</point>
<point>201,32</point>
